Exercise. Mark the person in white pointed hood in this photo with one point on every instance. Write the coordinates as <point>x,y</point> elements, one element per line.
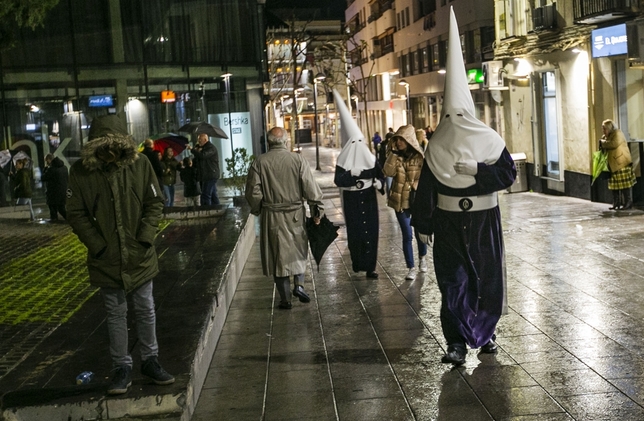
<point>466,164</point>
<point>358,174</point>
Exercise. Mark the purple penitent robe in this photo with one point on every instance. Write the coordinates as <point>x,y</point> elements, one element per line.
<point>468,253</point>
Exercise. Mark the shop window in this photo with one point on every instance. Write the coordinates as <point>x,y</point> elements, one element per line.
<point>425,59</point>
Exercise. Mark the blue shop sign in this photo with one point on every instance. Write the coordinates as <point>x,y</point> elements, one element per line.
<point>101,101</point>
<point>609,41</point>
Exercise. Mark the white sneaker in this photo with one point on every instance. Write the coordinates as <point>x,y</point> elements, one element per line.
<point>411,275</point>
<point>423,264</point>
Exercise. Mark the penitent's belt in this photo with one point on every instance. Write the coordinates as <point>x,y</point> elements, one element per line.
<point>362,184</point>
<point>467,204</point>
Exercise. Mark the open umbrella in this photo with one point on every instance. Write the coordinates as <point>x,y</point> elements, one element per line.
<point>5,157</point>
<point>170,140</point>
<point>320,237</point>
<point>199,127</point>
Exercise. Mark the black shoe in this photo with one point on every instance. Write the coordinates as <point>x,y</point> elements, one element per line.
<point>455,355</point>
<point>372,275</point>
<point>489,348</point>
<point>285,305</point>
<point>298,291</point>
<point>153,370</point>
<point>121,380</point>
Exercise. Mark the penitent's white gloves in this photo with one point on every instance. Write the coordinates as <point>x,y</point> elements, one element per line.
<point>467,167</point>
<point>355,172</point>
<point>377,184</point>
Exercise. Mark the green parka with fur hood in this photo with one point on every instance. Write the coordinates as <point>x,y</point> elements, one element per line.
<point>115,207</point>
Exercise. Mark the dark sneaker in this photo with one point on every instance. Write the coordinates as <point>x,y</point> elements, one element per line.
<point>121,380</point>
<point>285,305</point>
<point>153,370</point>
<point>455,355</point>
<point>298,291</point>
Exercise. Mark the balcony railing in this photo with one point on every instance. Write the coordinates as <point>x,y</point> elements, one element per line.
<point>597,11</point>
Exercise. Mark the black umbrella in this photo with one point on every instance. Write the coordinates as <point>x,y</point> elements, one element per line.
<point>199,127</point>
<point>320,237</point>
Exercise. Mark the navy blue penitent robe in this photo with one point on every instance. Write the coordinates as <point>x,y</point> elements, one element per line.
<point>361,217</point>
<point>468,253</point>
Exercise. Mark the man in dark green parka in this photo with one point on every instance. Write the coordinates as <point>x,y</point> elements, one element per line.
<point>114,205</point>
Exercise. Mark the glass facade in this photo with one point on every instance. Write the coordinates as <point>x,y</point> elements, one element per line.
<point>127,52</point>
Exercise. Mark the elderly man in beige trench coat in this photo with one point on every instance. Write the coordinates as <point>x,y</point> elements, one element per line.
<point>277,184</point>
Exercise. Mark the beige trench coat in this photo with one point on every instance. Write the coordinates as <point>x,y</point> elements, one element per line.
<point>278,182</point>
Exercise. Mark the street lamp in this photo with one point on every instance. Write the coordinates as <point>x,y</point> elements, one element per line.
<point>319,78</point>
<point>226,77</point>
<point>404,83</point>
<point>296,123</point>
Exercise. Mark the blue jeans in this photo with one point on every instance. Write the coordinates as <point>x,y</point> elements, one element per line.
<point>168,192</point>
<point>116,308</point>
<point>209,193</point>
<point>404,220</point>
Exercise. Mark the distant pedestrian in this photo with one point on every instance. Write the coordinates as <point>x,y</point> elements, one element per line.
<point>55,178</point>
<point>277,184</point>
<point>169,167</point>
<point>4,181</point>
<point>376,141</point>
<point>404,163</point>
<point>429,132</point>
<point>421,137</point>
<point>207,163</point>
<point>620,164</point>
<point>154,157</point>
<point>383,150</point>
<point>358,175</point>
<point>114,205</point>
<point>190,178</point>
<point>22,190</point>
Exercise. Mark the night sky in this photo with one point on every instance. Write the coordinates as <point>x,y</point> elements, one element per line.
<point>329,9</point>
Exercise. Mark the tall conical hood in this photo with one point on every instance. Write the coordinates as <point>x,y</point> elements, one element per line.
<point>349,129</point>
<point>459,135</point>
<point>355,153</point>
<point>457,96</point>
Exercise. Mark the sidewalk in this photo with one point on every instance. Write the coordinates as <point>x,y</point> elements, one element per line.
<point>570,347</point>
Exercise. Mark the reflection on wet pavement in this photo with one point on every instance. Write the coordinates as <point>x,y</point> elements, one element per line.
<point>569,348</point>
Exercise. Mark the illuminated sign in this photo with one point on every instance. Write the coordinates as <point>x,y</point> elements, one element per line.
<point>101,101</point>
<point>475,76</point>
<point>168,96</point>
<point>609,41</point>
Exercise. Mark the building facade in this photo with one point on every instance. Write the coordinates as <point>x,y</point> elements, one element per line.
<point>563,68</point>
<point>400,47</point>
<point>160,63</point>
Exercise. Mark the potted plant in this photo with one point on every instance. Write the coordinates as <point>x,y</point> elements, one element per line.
<point>237,167</point>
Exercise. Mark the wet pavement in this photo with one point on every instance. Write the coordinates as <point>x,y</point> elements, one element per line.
<point>363,349</point>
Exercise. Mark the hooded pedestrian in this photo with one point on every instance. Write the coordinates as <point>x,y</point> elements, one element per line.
<point>358,174</point>
<point>114,204</point>
<point>404,162</point>
<point>466,163</point>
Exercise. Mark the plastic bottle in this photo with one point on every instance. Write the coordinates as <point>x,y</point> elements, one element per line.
<point>84,377</point>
